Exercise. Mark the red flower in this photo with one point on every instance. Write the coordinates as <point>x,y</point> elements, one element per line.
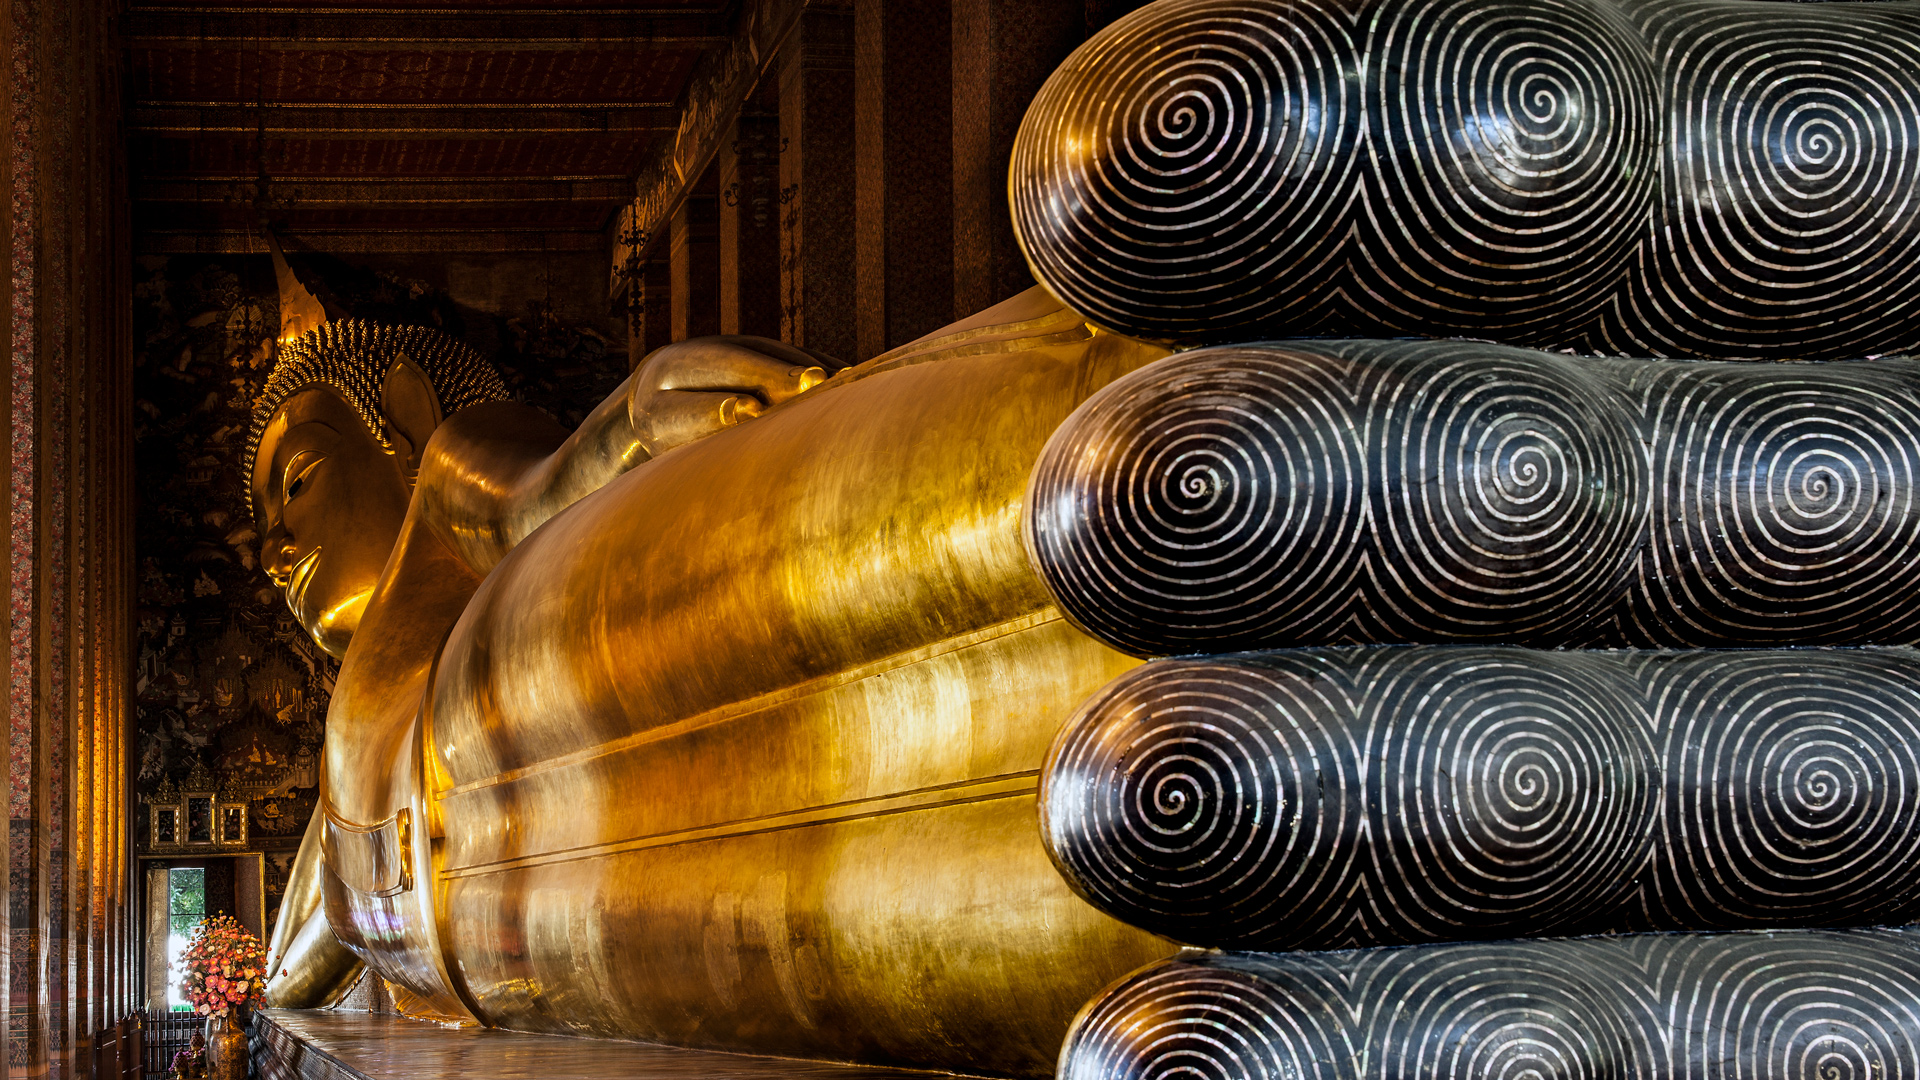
<point>220,966</point>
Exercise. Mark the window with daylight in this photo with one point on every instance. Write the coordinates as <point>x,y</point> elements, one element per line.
<point>186,907</point>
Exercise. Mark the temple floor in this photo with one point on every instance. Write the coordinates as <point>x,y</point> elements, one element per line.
<point>326,1045</point>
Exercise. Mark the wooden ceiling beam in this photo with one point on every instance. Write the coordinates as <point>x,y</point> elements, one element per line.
<point>398,122</point>
<point>309,193</point>
<point>237,241</point>
<point>255,29</point>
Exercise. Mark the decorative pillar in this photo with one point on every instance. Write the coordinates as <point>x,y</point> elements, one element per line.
<point>69,966</point>
<point>816,184</point>
<point>653,323</point>
<point>693,253</point>
<point>750,226</point>
<point>643,288</point>
<point>903,179</point>
<point>1003,50</point>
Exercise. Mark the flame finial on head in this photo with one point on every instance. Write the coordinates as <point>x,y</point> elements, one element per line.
<point>300,311</point>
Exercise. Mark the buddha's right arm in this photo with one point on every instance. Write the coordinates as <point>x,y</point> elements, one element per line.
<point>311,969</point>
<point>494,473</point>
<point>481,466</point>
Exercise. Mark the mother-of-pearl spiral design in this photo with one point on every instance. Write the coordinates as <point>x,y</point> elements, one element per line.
<point>1309,493</point>
<point>1317,798</point>
<point>1501,791</point>
<point>1541,1021</point>
<point>1191,805</point>
<point>1789,221</point>
<point>1257,489</point>
<point>1791,787</point>
<point>1777,1010</point>
<point>1504,490</point>
<point>1514,156</point>
<point>1202,153</point>
<point>1713,178</point>
<point>1787,500</point>
<point>1805,1005</point>
<point>1205,1022</point>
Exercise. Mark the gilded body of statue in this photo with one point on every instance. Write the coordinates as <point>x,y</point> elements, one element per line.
<point>725,720</point>
<point>682,727</point>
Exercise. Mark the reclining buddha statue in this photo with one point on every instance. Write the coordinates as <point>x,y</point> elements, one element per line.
<point>713,722</point>
<point>1351,621</point>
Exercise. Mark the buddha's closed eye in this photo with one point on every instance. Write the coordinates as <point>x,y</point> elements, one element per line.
<point>299,470</point>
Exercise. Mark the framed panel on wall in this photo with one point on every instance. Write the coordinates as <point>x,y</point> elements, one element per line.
<point>195,817</point>
<point>165,826</point>
<point>200,818</point>
<point>233,824</point>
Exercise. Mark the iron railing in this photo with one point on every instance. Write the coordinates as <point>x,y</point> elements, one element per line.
<point>168,1033</point>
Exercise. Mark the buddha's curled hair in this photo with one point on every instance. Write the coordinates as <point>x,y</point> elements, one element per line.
<point>352,357</point>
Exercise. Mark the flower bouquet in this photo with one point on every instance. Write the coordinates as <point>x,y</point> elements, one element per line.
<point>223,968</point>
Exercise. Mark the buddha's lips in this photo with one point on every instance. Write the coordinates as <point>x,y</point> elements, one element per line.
<point>301,577</point>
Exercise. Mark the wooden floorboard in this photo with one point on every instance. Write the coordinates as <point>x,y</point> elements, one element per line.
<point>329,1045</point>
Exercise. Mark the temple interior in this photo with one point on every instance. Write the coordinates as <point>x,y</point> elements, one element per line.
<point>1108,539</point>
<point>477,167</point>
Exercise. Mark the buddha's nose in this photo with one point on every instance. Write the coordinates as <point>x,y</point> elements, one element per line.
<point>277,555</point>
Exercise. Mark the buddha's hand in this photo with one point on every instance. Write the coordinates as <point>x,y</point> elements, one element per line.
<point>691,389</point>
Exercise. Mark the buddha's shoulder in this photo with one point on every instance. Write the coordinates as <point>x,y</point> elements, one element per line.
<point>1029,320</point>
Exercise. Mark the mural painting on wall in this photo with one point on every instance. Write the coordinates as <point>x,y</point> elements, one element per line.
<point>226,681</point>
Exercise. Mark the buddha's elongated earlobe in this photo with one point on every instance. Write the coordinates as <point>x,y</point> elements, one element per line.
<point>410,412</point>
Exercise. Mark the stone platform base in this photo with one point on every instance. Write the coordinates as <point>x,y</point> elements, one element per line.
<point>327,1045</point>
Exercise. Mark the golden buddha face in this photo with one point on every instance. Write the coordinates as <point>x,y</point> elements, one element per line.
<point>333,500</point>
<point>338,433</point>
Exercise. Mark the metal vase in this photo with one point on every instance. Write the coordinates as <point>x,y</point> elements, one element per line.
<point>226,1047</point>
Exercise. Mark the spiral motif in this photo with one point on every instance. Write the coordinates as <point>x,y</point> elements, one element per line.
<point>1700,178</point>
<point>1516,149</point>
<point>1508,496</point>
<point>1792,786</point>
<point>1384,795</point>
<point>1248,482</point>
<point>1506,789</point>
<point>1200,1022</point>
<point>1793,192</point>
<point>1807,1005</point>
<point>1224,793</point>
<point>1792,502</point>
<point>1500,1013</point>
<point>1783,1007</point>
<point>1169,165</point>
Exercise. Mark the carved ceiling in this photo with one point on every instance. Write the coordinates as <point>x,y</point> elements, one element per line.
<point>388,125</point>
